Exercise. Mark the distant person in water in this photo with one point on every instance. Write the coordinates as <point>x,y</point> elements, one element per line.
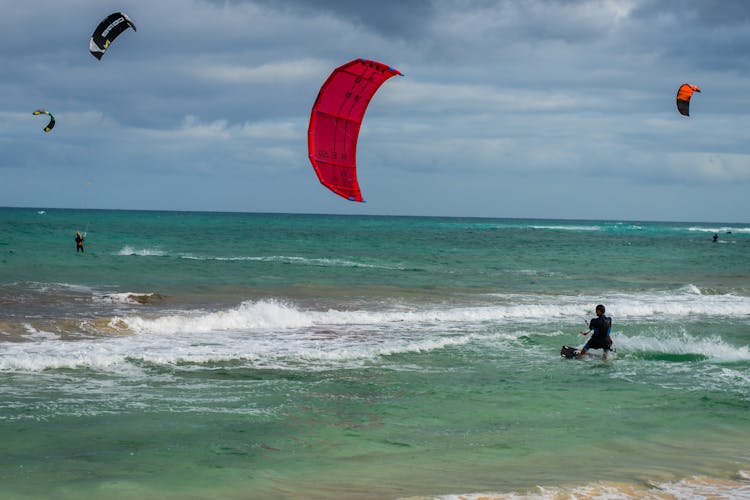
<point>79,242</point>
<point>716,237</point>
<point>601,326</point>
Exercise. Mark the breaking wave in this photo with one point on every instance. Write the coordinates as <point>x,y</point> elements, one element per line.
<point>693,487</point>
<point>284,259</point>
<point>281,334</point>
<point>141,252</point>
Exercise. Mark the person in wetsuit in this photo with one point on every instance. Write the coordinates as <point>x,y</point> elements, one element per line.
<point>601,326</point>
<point>79,242</point>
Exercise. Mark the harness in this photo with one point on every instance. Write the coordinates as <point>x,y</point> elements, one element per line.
<point>599,324</point>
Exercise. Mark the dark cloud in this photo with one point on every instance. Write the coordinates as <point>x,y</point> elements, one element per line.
<point>402,19</point>
<point>708,14</point>
<point>711,35</point>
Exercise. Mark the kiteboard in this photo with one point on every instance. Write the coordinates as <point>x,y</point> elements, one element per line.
<point>569,352</point>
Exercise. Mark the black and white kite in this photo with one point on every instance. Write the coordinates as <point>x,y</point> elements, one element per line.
<point>109,29</point>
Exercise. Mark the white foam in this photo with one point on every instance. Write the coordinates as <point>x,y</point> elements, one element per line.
<point>280,350</point>
<point>248,316</point>
<point>141,252</point>
<point>569,228</point>
<point>721,229</point>
<point>704,488</point>
<point>44,287</point>
<point>682,343</point>
<point>33,333</point>
<point>286,259</point>
<point>273,333</point>
<point>120,298</point>
<point>698,487</point>
<point>44,355</point>
<point>263,334</point>
<point>678,304</point>
<point>274,315</point>
<point>666,304</point>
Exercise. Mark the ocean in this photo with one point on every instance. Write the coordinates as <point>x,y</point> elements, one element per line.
<point>230,355</point>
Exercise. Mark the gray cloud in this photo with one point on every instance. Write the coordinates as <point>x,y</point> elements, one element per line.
<point>388,17</point>
<point>208,109</point>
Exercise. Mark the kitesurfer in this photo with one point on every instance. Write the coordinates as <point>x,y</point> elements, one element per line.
<point>601,326</point>
<point>716,237</point>
<point>79,242</point>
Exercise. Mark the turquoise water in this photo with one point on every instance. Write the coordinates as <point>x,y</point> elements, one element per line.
<point>272,355</point>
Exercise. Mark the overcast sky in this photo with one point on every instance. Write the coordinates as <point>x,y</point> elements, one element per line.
<point>544,109</point>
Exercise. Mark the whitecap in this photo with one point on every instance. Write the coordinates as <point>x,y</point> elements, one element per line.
<point>141,252</point>
<point>126,298</point>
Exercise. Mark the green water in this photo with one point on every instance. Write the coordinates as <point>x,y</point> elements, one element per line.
<point>307,356</point>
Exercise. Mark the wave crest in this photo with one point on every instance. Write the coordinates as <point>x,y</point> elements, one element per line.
<point>141,252</point>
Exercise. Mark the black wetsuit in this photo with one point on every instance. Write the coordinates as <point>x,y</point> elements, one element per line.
<point>79,243</point>
<point>600,338</point>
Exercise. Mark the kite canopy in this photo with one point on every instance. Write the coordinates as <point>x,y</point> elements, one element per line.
<point>684,93</point>
<point>335,120</point>
<point>51,123</point>
<point>109,29</point>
